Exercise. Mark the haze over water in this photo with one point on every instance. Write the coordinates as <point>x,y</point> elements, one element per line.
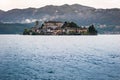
<point>59,57</point>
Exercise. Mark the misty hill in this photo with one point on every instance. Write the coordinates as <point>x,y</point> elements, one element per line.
<point>1,13</point>
<point>13,28</point>
<point>82,15</point>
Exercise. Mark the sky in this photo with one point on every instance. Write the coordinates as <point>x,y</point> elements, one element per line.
<point>11,4</point>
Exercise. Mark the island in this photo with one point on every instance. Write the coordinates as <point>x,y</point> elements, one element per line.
<point>60,28</point>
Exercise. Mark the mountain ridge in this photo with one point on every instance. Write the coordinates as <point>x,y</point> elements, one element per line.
<point>57,6</point>
<point>82,15</point>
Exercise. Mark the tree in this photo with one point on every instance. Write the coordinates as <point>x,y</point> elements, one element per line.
<point>42,26</point>
<point>26,32</point>
<point>70,24</point>
<point>65,24</point>
<point>74,25</point>
<point>36,23</point>
<point>92,30</point>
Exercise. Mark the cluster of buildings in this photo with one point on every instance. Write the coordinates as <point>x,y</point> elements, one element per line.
<point>56,28</point>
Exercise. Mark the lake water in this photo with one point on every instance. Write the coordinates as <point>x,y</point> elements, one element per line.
<point>59,57</point>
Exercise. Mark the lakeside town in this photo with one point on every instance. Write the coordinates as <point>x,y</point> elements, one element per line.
<point>59,28</point>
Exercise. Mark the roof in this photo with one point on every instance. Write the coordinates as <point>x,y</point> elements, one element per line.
<point>53,22</point>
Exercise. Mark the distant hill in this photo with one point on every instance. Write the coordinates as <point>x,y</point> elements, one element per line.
<point>13,28</point>
<point>1,13</point>
<point>82,15</point>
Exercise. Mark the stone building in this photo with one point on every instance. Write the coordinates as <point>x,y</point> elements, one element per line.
<point>56,28</point>
<point>52,27</point>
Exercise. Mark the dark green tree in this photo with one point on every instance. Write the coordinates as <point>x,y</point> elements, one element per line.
<point>92,30</point>
<point>65,24</point>
<point>74,25</point>
<point>26,32</point>
<point>42,26</point>
<point>70,24</point>
<point>36,23</point>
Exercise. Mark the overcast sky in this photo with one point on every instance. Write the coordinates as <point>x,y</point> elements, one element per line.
<point>10,4</point>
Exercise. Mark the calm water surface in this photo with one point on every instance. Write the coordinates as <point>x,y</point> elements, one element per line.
<point>59,57</point>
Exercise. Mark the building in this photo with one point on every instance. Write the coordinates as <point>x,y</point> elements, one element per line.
<point>52,27</point>
<point>56,28</point>
<point>53,24</point>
